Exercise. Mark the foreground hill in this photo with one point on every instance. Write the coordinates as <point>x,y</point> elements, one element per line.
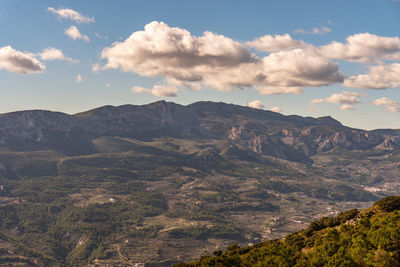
<point>370,237</point>
<point>163,183</point>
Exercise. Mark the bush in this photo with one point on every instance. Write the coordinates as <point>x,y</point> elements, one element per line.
<point>388,204</point>
<point>325,222</point>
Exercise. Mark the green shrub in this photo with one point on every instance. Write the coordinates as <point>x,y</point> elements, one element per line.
<point>325,222</point>
<point>388,204</point>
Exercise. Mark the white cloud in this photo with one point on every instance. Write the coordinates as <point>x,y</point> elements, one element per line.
<point>174,52</point>
<point>269,43</point>
<point>278,73</point>
<point>345,99</point>
<point>164,90</point>
<point>275,109</point>
<point>52,53</point>
<point>364,47</point>
<point>139,89</point>
<point>19,62</point>
<point>346,107</point>
<point>216,61</point>
<point>96,68</point>
<point>157,90</point>
<point>389,104</point>
<point>278,90</point>
<point>79,78</point>
<point>256,104</point>
<point>75,34</point>
<point>378,77</point>
<point>300,67</point>
<point>73,15</point>
<point>321,30</point>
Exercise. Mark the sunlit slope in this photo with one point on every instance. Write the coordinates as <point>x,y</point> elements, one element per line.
<point>369,237</point>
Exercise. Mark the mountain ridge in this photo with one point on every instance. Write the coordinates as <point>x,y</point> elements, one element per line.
<point>203,119</point>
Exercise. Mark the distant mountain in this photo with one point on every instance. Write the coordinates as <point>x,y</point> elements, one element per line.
<point>259,131</point>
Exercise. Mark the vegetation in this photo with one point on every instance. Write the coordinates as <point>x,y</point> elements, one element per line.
<point>72,234</point>
<point>170,196</point>
<point>370,237</point>
<point>130,197</point>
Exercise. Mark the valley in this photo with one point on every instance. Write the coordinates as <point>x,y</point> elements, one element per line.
<point>164,183</point>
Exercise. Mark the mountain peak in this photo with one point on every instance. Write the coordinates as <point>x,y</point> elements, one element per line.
<point>329,121</point>
<point>157,103</point>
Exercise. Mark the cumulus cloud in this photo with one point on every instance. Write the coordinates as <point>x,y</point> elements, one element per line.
<point>275,109</point>
<point>389,104</point>
<point>71,14</point>
<point>364,47</point>
<point>278,73</point>
<point>157,90</point>
<point>216,61</point>
<point>160,49</point>
<point>75,34</point>
<point>19,62</point>
<point>164,90</point>
<point>300,67</point>
<point>256,104</point>
<point>321,30</point>
<point>269,43</point>
<point>52,53</point>
<point>379,77</point>
<point>345,98</point>
<point>79,78</point>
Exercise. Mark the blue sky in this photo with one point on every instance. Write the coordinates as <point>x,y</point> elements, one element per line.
<point>313,71</point>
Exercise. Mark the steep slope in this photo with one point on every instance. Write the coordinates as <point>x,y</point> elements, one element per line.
<point>39,130</point>
<point>370,237</point>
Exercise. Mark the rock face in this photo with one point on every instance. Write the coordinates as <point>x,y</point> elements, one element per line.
<point>38,129</point>
<point>257,131</point>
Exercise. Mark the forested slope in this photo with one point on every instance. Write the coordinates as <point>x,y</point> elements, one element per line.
<point>370,237</point>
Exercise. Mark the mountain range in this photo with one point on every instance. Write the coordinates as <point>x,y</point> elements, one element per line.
<point>259,131</point>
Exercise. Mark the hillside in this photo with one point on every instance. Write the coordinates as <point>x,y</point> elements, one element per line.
<point>163,183</point>
<point>369,237</point>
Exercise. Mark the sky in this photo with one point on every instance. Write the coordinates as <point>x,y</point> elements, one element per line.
<point>310,57</point>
